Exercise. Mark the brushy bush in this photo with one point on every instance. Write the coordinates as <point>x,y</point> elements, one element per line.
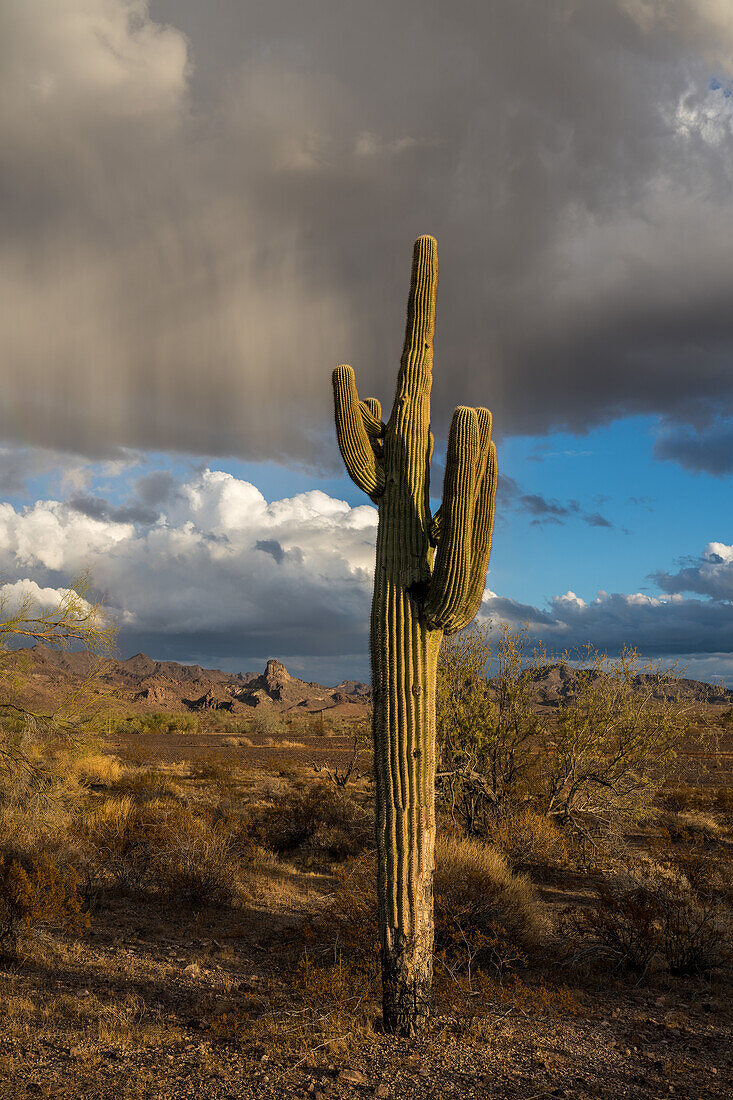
<point>266,722</point>
<point>314,818</point>
<point>160,848</point>
<point>529,839</point>
<point>97,768</point>
<point>159,721</point>
<point>35,889</point>
<point>148,785</point>
<point>486,916</point>
<point>692,827</point>
<point>665,911</point>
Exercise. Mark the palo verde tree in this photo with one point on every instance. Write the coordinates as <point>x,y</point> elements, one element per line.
<point>429,579</point>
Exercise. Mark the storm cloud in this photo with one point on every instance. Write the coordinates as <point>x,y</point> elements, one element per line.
<point>204,209</point>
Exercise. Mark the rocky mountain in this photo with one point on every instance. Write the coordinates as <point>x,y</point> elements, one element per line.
<point>144,684</point>
<point>555,684</point>
<point>141,683</point>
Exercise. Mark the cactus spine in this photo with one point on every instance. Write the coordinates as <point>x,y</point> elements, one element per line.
<point>416,600</point>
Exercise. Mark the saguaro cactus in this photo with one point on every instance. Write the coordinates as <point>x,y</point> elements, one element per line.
<point>416,600</point>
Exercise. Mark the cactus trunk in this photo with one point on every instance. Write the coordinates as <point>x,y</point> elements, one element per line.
<point>414,604</point>
<point>404,658</point>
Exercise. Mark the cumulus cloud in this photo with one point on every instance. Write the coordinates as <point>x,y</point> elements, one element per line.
<point>201,216</point>
<point>221,574</point>
<point>667,627</point>
<point>223,577</point>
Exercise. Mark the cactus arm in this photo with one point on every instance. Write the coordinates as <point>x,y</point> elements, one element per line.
<point>363,466</point>
<point>371,415</point>
<point>483,525</point>
<point>452,572</point>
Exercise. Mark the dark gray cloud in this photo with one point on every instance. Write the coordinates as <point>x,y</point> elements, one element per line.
<point>709,450</point>
<point>271,547</point>
<point>709,575</point>
<point>612,621</point>
<point>205,209</point>
<point>98,508</point>
<point>155,488</point>
<point>542,509</point>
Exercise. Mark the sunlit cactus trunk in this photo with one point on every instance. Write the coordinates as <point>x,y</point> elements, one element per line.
<point>415,602</point>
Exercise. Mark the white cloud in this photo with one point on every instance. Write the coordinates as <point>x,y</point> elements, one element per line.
<point>224,577</point>
<point>709,575</point>
<point>221,568</point>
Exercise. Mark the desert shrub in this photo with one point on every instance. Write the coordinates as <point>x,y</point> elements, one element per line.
<point>315,818</point>
<point>128,726</point>
<point>35,889</point>
<point>691,827</point>
<point>675,797</point>
<point>665,911</point>
<point>613,743</point>
<point>148,784</point>
<point>265,722</point>
<point>98,768</point>
<point>485,915</point>
<point>594,767</point>
<point>217,770</point>
<point>724,801</point>
<point>530,839</point>
<point>486,728</point>
<point>160,848</point>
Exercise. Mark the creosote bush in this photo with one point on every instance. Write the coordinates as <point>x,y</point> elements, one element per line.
<point>160,848</point>
<point>530,839</point>
<point>593,764</point>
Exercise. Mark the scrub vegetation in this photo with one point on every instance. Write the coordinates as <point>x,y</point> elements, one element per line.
<point>203,921</point>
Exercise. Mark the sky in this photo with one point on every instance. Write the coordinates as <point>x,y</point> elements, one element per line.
<point>205,207</point>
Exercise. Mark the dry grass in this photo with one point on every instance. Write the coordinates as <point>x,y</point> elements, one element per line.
<point>232,947</point>
<point>531,840</point>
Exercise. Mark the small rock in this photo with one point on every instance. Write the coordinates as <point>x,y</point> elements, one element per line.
<point>381,1091</point>
<point>352,1077</point>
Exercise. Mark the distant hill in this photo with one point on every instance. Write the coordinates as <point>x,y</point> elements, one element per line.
<point>141,683</point>
<point>554,684</point>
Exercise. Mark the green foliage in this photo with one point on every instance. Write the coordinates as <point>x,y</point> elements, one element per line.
<point>159,721</point>
<point>595,764</point>
<point>79,621</point>
<point>486,726</point>
<point>266,722</point>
